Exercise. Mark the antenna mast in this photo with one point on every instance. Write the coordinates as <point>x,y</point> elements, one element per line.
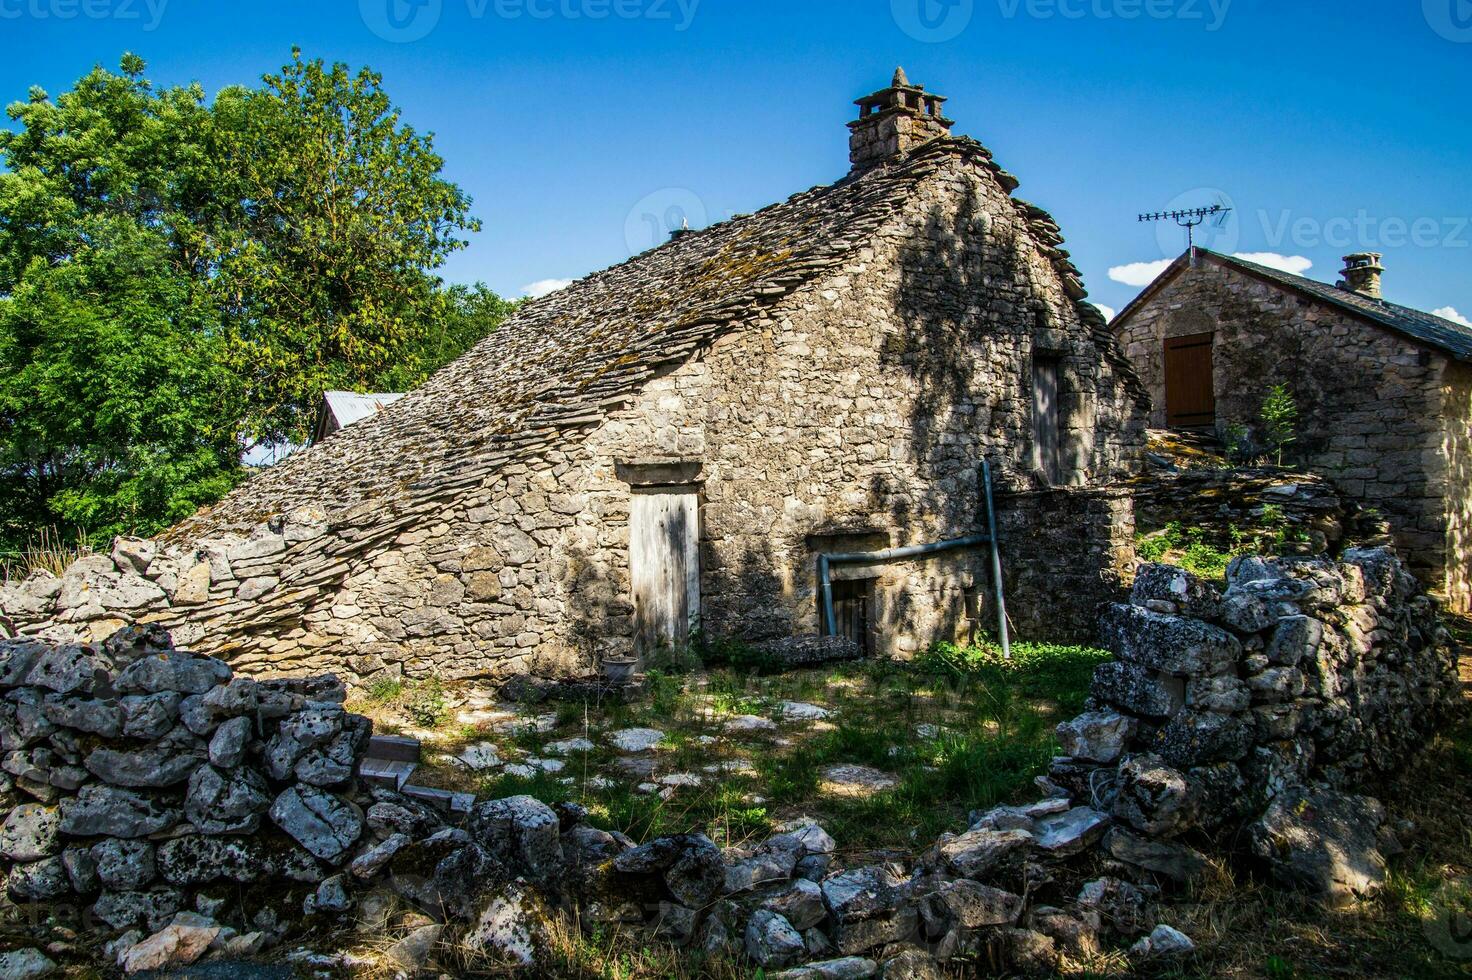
<point>1189,220</point>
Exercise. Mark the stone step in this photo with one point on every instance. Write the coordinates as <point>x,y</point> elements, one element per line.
<point>394,748</point>
<point>443,799</point>
<point>387,773</point>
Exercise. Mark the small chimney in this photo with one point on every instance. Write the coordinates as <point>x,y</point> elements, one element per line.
<point>1362,272</point>
<point>894,121</point>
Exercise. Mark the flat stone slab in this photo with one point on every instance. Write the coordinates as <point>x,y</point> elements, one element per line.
<point>851,780</point>
<point>750,724</point>
<point>636,739</point>
<point>569,746</point>
<point>479,757</point>
<point>803,711</point>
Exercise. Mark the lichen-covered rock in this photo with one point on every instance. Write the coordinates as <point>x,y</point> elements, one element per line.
<point>1097,736</point>
<point>226,801</point>
<point>167,762</point>
<point>149,715</point>
<point>25,964</point>
<point>1169,644</point>
<point>445,874</point>
<point>800,902</point>
<point>1153,798</point>
<point>979,853</point>
<point>771,941</point>
<point>523,834</point>
<point>227,746</point>
<point>178,672</point>
<point>969,905</point>
<point>689,864</point>
<point>325,825</point>
<point>111,812</point>
<point>151,909</point>
<point>1121,907</point>
<point>1323,843</point>
<point>1189,594</point>
<point>509,926</point>
<point>31,832</point>
<point>1138,690</point>
<point>38,881</point>
<point>1197,738</point>
<point>195,860</point>
<point>125,865</point>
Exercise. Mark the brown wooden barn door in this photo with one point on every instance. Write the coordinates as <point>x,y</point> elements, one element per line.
<point>1190,393</point>
<point>664,567</point>
<point>853,612</point>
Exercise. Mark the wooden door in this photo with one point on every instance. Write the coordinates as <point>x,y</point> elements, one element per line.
<point>664,567</point>
<point>1190,393</point>
<point>853,612</point>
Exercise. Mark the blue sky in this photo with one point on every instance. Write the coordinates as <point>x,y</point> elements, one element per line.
<point>581,126</point>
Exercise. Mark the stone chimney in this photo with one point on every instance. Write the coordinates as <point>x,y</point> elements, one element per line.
<point>1362,272</point>
<point>894,121</point>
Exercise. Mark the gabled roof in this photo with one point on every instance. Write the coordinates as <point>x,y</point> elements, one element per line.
<point>1447,336</point>
<point>563,361</point>
<point>341,409</point>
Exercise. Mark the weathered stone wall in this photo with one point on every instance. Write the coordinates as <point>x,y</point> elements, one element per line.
<point>1457,444</point>
<point>856,412</point>
<point>1374,406</point>
<point>1305,680</point>
<point>140,782</point>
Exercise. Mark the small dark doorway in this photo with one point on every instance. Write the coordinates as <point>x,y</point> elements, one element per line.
<point>1190,394</point>
<point>853,612</point>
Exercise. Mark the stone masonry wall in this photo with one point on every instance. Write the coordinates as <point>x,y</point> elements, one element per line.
<point>1380,415</point>
<point>858,410</point>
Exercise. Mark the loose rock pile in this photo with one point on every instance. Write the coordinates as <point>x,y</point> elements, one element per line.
<point>161,793</point>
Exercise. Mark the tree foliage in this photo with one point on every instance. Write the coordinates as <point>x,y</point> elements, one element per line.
<point>180,277</point>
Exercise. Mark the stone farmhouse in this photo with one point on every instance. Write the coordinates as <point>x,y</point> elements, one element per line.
<point>1384,391</point>
<point>667,447</point>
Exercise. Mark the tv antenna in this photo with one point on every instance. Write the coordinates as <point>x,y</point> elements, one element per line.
<point>1190,220</point>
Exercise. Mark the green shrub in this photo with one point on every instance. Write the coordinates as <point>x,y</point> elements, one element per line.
<point>425,703</point>
<point>1280,419</point>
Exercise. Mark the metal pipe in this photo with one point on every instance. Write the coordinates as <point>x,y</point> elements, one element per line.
<point>826,563</point>
<point>991,520</point>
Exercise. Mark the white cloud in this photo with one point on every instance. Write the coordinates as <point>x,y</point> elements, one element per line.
<point>542,287</point>
<point>1108,311</point>
<point>1451,314</point>
<point>1295,265</point>
<point>1139,273</point>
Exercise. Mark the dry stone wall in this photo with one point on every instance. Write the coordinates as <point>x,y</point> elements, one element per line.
<point>1385,418</point>
<point>198,814</point>
<point>852,414</point>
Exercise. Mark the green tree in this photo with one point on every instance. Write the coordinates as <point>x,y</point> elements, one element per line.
<point>181,277</point>
<point>339,214</point>
<point>1280,419</point>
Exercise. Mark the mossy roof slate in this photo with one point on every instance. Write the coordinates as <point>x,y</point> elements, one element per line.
<point>562,361</point>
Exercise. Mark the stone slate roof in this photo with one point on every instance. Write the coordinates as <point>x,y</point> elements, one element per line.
<point>1445,335</point>
<point>563,361</point>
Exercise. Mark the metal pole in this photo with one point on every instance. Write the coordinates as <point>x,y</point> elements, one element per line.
<point>991,522</point>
